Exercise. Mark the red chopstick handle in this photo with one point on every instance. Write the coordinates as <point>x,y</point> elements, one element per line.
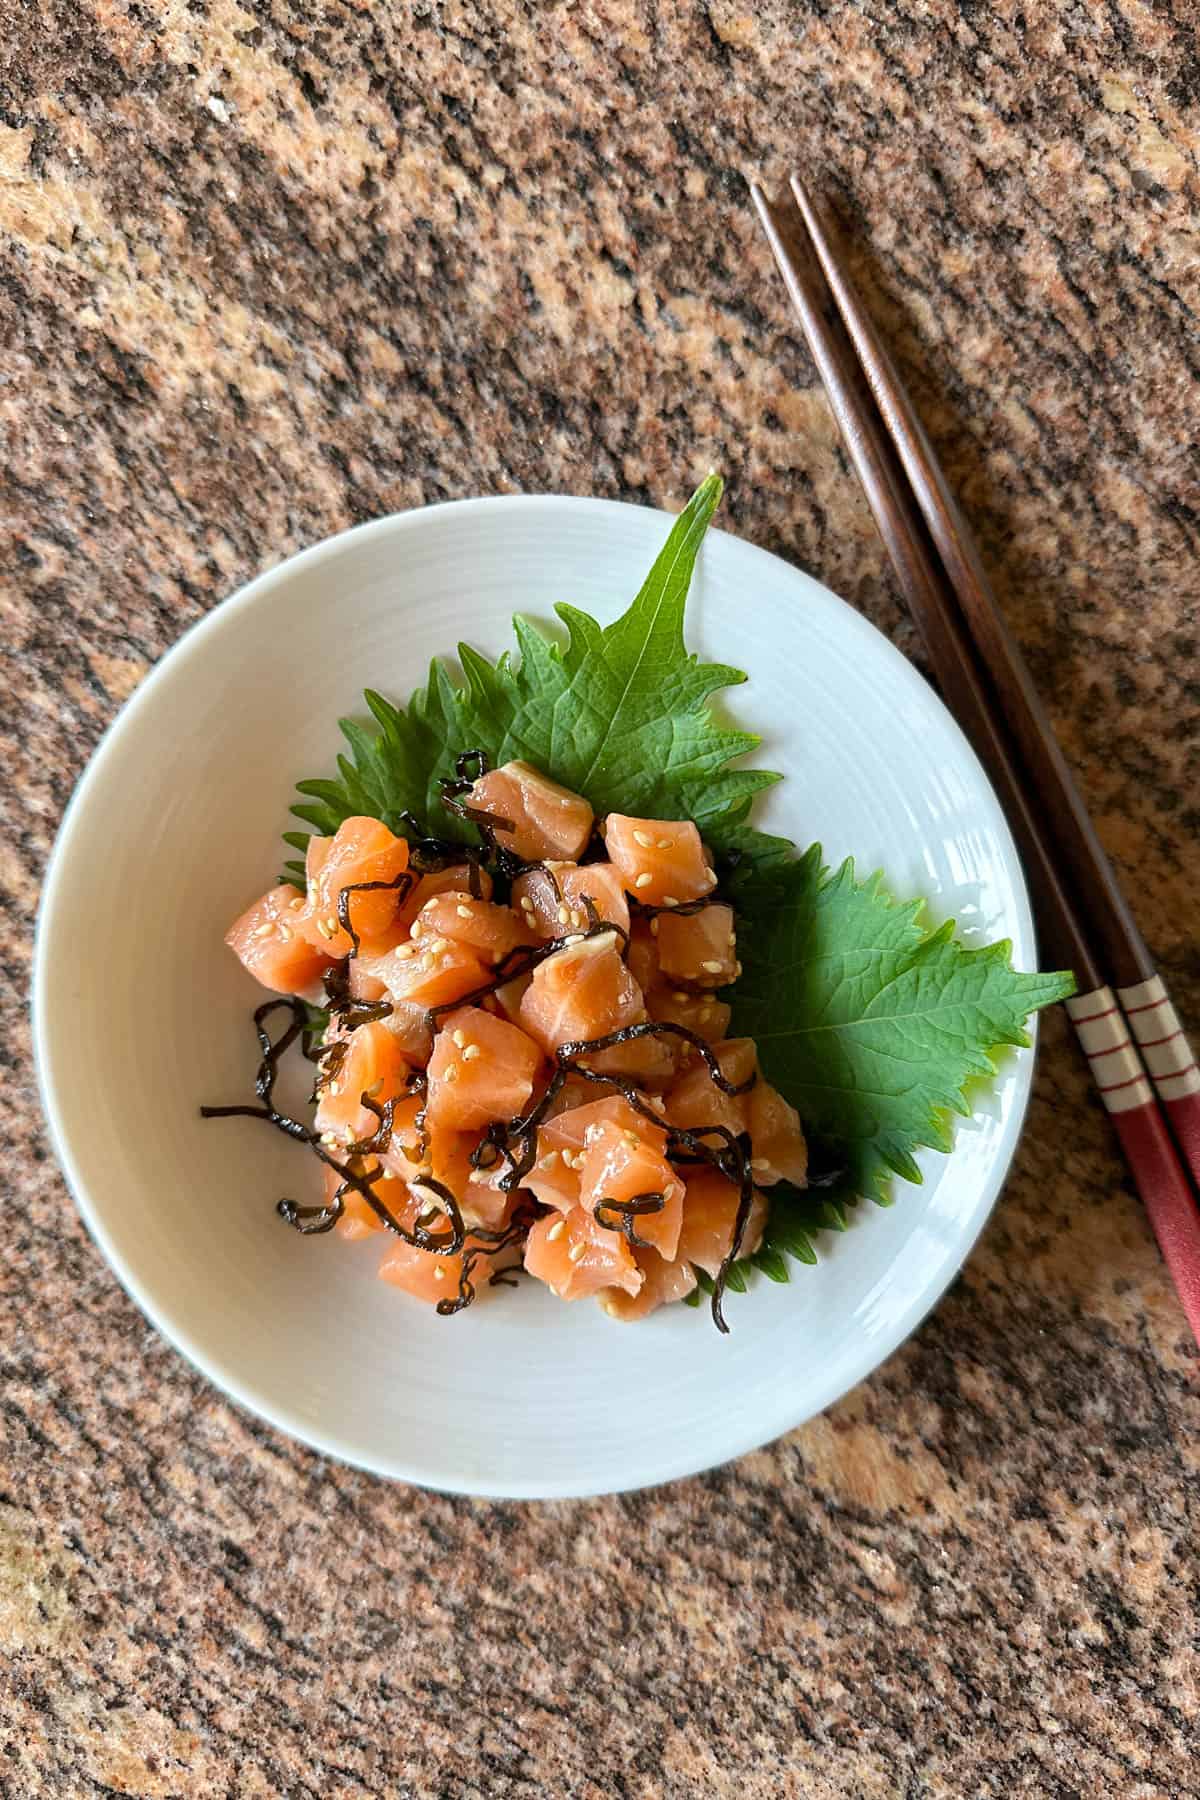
<point>1169,1059</point>
<point>1167,1195</point>
<point>1168,1199</point>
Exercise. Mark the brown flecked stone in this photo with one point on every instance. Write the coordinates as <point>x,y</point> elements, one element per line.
<point>270,270</point>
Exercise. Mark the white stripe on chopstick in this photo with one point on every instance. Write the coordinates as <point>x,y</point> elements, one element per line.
<point>1161,1038</point>
<point>1118,1069</point>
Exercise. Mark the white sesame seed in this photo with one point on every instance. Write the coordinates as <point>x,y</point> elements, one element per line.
<point>418,928</point>
<point>550,1160</point>
<point>731,940</point>
<point>670,900</point>
<point>658,1103</point>
<point>576,916</point>
<point>705,1014</point>
<point>285,934</point>
<point>632,1138</point>
<point>679,996</point>
<point>556,1231</point>
<point>609,1307</point>
<point>464,912</point>
<point>526,904</point>
<point>710,874</point>
<point>643,881</point>
<point>328,1137</point>
<point>331,926</point>
<point>403,951</point>
<point>644,839</point>
<point>334,1089</point>
<point>562,914</point>
<point>759,1162</point>
<point>438,945</point>
<point>459,1040</point>
<point>450,1072</point>
<point>376,1087</point>
<point>737,970</point>
<point>429,903</point>
<point>654,928</point>
<point>576,1253</point>
<point>439,1274</point>
<point>296,905</point>
<point>261,931</point>
<point>711,968</point>
<point>591,1134</point>
<point>389,1174</point>
<point>470,1051</point>
<point>575,937</point>
<point>665,843</point>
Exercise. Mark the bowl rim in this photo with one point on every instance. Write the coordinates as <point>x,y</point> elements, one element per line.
<point>216,1368</point>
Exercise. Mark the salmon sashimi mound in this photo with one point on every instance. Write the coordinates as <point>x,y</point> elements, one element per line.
<point>361,850</point>
<point>482,1069</point>
<point>554,1178</point>
<point>583,991</point>
<point>575,1256</point>
<point>552,899</point>
<point>429,1276</point>
<point>709,1214</point>
<point>661,861</point>
<point>444,1091</point>
<point>695,1100</point>
<point>374,1065</point>
<point>778,1149</point>
<point>482,926</point>
<point>268,942</point>
<point>700,948</point>
<point>663,1283</point>
<point>623,1165</point>
<point>541,818</point>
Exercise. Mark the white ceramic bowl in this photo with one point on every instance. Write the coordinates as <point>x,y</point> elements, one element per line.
<point>141,1013</point>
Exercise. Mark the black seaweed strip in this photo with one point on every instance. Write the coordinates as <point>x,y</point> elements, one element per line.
<point>658,1028</point>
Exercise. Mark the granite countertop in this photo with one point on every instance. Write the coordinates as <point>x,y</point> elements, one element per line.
<point>269,270</point>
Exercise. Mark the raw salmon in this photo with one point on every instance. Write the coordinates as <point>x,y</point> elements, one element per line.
<point>622,1162</point>
<point>776,1137</point>
<point>544,819</point>
<point>268,942</point>
<point>696,1100</point>
<point>699,948</point>
<point>663,1282</point>
<point>707,1017</point>
<point>430,1277</point>
<point>482,1068</point>
<point>485,928</point>
<point>455,879</point>
<point>554,1178</point>
<point>575,1256</point>
<point>361,850</point>
<point>433,971</point>
<point>582,991</point>
<point>709,1214</point>
<point>552,898</point>
<point>661,861</point>
<point>375,1065</point>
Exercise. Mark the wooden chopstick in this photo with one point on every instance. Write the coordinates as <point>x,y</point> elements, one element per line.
<point>965,678</point>
<point>1140,990</point>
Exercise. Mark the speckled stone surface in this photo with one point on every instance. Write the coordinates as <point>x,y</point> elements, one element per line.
<point>268,270</point>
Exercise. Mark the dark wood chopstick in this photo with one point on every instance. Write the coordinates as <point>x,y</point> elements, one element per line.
<point>965,676</point>
<point>1139,988</point>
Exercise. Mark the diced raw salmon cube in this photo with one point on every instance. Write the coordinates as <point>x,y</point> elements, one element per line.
<point>362,850</point>
<point>482,1069</point>
<point>554,1178</point>
<point>552,899</point>
<point>776,1138</point>
<point>544,819</point>
<point>373,1064</point>
<point>661,861</point>
<point>696,1100</point>
<point>699,948</point>
<point>433,971</point>
<point>663,1283</point>
<point>482,926</point>
<point>709,1213</point>
<point>707,1017</point>
<point>623,1162</point>
<point>575,1256</point>
<point>268,942</point>
<point>583,991</point>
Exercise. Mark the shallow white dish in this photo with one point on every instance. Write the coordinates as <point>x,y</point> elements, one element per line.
<point>141,1013</point>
